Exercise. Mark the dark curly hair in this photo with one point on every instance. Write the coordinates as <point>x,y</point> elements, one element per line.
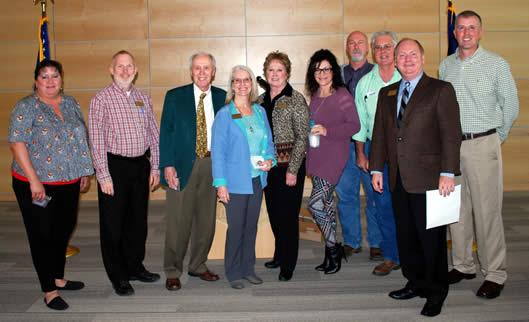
<point>311,86</point>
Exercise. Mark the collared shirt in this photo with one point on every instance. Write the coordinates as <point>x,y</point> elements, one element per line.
<point>485,90</point>
<point>208,109</point>
<point>366,100</point>
<point>351,76</point>
<point>58,149</point>
<point>411,88</point>
<point>122,123</point>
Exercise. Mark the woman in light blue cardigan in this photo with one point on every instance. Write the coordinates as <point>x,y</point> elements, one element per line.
<point>242,153</point>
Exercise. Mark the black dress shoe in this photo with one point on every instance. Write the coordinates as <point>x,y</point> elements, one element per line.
<point>144,276</point>
<point>489,290</point>
<point>403,294</point>
<point>432,307</point>
<point>71,286</point>
<point>57,304</point>
<point>455,276</point>
<point>272,264</point>
<point>285,276</point>
<point>123,288</point>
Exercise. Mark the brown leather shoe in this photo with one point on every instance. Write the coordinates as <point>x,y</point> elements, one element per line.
<point>375,254</point>
<point>385,268</point>
<point>489,290</point>
<point>206,276</point>
<point>348,250</point>
<point>173,284</point>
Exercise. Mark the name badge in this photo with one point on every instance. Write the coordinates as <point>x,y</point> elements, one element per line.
<point>139,103</point>
<point>236,116</point>
<point>393,92</point>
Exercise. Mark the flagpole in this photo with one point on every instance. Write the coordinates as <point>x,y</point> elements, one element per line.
<point>70,250</point>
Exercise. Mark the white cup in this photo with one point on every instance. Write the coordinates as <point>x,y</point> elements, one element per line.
<point>314,140</point>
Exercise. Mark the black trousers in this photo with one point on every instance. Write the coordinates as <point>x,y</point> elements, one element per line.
<point>283,203</point>
<point>49,229</point>
<point>123,217</point>
<point>423,254</point>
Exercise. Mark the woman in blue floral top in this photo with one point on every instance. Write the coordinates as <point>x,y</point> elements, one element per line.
<point>51,165</point>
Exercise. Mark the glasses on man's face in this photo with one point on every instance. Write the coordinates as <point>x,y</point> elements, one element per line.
<point>240,81</point>
<point>325,70</point>
<point>383,47</point>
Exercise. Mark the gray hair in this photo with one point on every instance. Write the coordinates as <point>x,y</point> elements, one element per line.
<point>254,93</point>
<point>393,36</point>
<point>202,53</point>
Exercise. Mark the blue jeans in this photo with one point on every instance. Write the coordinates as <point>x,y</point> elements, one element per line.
<point>386,219</point>
<point>348,191</point>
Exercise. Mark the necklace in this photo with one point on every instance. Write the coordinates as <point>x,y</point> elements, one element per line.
<point>250,123</point>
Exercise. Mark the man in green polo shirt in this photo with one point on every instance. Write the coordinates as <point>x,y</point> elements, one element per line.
<point>383,74</point>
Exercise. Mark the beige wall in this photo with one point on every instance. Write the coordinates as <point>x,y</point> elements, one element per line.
<point>163,33</point>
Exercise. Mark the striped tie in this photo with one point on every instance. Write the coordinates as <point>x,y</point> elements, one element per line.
<point>404,101</point>
<point>202,131</point>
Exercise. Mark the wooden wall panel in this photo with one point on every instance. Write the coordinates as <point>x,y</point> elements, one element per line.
<point>513,46</point>
<point>523,94</point>
<point>298,48</point>
<point>287,17</point>
<point>86,63</point>
<point>507,15</point>
<point>170,18</point>
<point>170,58</point>
<point>19,65</point>
<point>515,160</point>
<point>19,21</point>
<point>398,16</point>
<point>100,19</point>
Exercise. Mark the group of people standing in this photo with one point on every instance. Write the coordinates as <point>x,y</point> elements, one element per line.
<point>387,126</point>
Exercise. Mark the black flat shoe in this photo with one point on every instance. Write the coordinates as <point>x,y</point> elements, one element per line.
<point>272,264</point>
<point>432,308</point>
<point>57,304</point>
<point>123,288</point>
<point>144,276</point>
<point>71,286</point>
<point>285,276</point>
<point>403,294</point>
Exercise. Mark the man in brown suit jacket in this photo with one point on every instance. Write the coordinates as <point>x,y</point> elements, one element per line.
<point>418,133</point>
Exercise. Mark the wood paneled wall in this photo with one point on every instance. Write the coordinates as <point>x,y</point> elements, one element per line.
<point>162,34</point>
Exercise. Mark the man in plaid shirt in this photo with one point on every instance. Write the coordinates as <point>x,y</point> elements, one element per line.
<point>124,145</point>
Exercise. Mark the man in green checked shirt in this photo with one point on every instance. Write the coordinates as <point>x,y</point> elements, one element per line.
<point>488,103</point>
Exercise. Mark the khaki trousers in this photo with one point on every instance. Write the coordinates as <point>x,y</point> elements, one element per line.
<point>481,210</point>
<point>190,219</point>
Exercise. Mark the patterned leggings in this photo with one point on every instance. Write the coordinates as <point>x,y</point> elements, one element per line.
<point>321,204</point>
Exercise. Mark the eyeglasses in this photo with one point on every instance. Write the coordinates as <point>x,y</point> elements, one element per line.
<point>240,81</point>
<point>383,47</point>
<point>325,70</point>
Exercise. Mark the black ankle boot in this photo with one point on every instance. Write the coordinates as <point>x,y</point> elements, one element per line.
<point>323,265</point>
<point>336,253</point>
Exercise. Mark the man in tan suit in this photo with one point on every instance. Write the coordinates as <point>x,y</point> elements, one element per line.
<point>418,133</point>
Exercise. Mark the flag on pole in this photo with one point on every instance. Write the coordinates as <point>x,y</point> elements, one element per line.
<point>44,42</point>
<point>451,24</point>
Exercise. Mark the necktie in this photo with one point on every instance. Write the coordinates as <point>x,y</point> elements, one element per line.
<point>404,101</point>
<point>202,131</point>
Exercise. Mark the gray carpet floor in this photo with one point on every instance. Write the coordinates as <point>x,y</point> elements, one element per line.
<point>353,294</point>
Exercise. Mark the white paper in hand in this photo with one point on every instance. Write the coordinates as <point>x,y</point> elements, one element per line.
<point>442,210</point>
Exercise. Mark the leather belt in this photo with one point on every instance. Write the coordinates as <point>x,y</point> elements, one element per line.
<point>470,136</point>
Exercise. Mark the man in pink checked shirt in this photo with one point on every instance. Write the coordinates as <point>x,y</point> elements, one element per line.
<point>124,145</point>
